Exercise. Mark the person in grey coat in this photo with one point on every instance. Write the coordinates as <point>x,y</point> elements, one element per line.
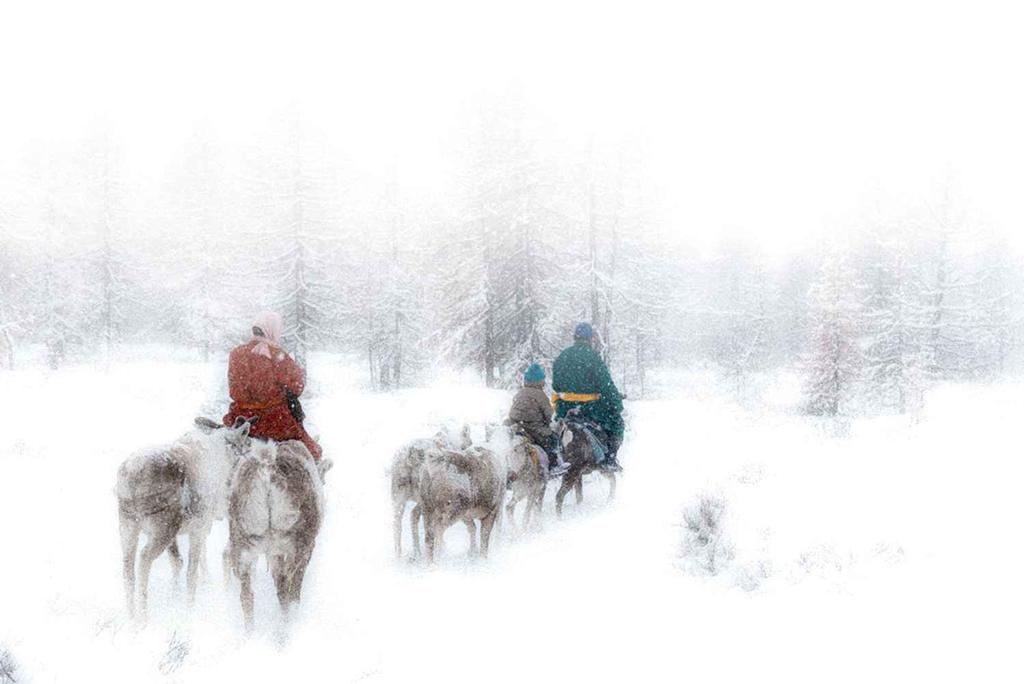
<point>531,410</point>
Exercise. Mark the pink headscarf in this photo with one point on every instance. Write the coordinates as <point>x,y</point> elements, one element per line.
<point>272,326</point>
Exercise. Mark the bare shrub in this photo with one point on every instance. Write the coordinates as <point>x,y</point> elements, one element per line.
<point>177,651</point>
<point>8,670</point>
<point>704,548</point>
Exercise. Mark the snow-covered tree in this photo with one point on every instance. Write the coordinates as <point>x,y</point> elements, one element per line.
<point>495,312</point>
<point>8,286</point>
<point>744,303</point>
<point>948,291</point>
<point>59,310</point>
<point>1000,295</point>
<point>524,276</point>
<point>99,214</point>
<point>638,325</point>
<point>612,218</point>
<point>640,297</point>
<point>894,354</point>
<point>468,306</point>
<point>795,277</point>
<point>204,234</point>
<point>293,197</point>
<point>385,298</point>
<point>832,363</point>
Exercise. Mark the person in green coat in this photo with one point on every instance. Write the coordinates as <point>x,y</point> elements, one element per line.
<point>579,378</point>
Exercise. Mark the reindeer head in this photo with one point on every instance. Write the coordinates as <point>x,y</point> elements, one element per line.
<point>564,432</point>
<point>207,426</point>
<point>519,454</point>
<point>490,429</point>
<point>237,436</point>
<point>322,467</point>
<point>448,438</point>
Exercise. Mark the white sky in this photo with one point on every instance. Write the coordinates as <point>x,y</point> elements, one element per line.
<point>763,120</point>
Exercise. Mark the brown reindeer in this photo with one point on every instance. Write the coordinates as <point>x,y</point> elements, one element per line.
<point>525,479</point>
<point>461,485</point>
<point>175,490</point>
<point>275,509</point>
<point>580,456</point>
<point>405,481</point>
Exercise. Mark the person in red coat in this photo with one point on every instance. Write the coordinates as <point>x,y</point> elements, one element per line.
<point>260,377</point>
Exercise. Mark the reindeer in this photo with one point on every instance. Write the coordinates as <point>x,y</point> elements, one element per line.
<point>405,480</point>
<point>525,478</point>
<point>461,485</point>
<point>275,509</point>
<point>175,490</point>
<point>580,456</point>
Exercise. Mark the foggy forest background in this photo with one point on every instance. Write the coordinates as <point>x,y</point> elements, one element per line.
<point>531,236</point>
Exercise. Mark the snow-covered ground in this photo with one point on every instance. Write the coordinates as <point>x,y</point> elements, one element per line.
<point>889,553</point>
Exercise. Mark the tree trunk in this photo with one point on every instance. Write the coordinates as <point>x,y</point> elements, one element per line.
<point>370,362</point>
<point>606,337</point>
<point>396,366</point>
<point>489,357</point>
<point>7,343</point>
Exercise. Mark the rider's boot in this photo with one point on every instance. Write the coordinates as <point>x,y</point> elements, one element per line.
<point>611,463</point>
<point>559,467</point>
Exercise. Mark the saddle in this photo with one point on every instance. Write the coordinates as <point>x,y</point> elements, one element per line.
<point>533,449</point>
<point>596,435</point>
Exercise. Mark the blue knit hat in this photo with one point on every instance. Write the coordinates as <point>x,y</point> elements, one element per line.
<point>534,373</point>
<point>583,331</point>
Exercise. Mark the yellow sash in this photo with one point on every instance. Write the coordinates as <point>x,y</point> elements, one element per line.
<point>573,397</point>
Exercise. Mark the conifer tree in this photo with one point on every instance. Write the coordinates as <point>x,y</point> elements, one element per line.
<point>832,364</point>
<point>294,209</point>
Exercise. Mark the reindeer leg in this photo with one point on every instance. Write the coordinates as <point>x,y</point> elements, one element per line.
<point>510,511</point>
<point>399,512</point>
<point>153,548</point>
<point>176,562</point>
<point>204,570</point>
<point>414,522</point>
<point>196,555</point>
<point>279,570</point>
<point>225,560</point>
<point>429,536</point>
<point>243,568</point>
<point>534,503</point>
<point>539,509</point>
<point>579,490</point>
<point>471,526</point>
<point>528,513</point>
<point>486,525</point>
<point>297,574</point>
<point>567,484</point>
<point>611,486</point>
<point>129,545</point>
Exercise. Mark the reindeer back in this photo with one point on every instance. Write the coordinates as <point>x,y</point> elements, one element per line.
<point>276,491</point>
